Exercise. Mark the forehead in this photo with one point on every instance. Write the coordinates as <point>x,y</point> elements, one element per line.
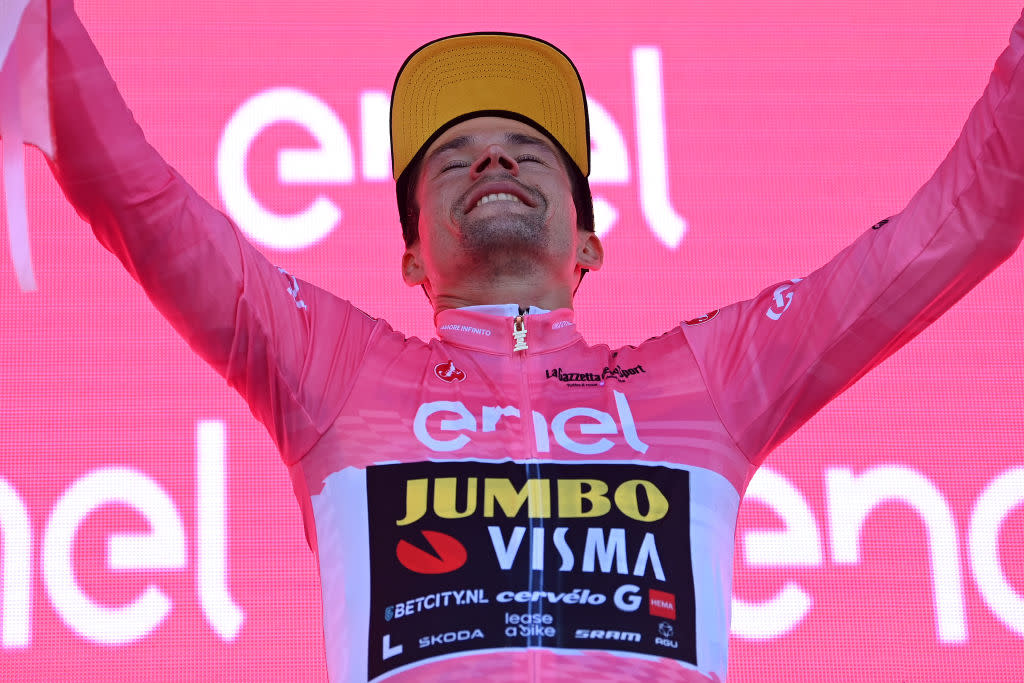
<point>488,130</point>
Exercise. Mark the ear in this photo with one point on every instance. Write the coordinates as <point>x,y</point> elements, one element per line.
<point>589,251</point>
<point>412,266</point>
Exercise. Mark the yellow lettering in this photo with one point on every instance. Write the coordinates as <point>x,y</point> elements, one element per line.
<point>627,501</point>
<point>415,501</point>
<point>576,498</point>
<point>571,495</point>
<point>535,492</point>
<point>445,490</point>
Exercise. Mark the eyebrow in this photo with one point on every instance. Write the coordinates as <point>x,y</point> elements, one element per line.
<point>510,139</point>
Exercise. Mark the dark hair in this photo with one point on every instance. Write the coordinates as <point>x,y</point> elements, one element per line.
<point>409,210</point>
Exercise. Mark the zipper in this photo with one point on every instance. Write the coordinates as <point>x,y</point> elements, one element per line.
<point>519,333</point>
<point>535,578</point>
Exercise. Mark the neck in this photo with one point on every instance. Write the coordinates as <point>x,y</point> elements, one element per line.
<point>521,293</point>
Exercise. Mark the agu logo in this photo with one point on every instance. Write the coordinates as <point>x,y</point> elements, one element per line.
<point>447,556</point>
<point>662,604</point>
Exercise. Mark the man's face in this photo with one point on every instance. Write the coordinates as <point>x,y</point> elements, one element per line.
<point>495,205</point>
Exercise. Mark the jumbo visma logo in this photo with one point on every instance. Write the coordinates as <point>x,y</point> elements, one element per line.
<point>576,498</point>
<point>455,498</point>
<point>479,555</point>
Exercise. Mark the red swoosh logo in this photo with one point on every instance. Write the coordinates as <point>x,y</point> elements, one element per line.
<point>448,554</point>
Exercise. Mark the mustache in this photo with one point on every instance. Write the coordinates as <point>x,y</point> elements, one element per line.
<point>535,196</point>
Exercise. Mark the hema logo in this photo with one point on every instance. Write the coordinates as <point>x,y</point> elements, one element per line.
<point>662,604</point>
<point>162,548</point>
<point>333,162</point>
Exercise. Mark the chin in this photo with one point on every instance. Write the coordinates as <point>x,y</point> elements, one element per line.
<point>506,233</point>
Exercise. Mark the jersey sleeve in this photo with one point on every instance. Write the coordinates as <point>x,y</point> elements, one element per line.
<point>252,322</point>
<point>771,362</point>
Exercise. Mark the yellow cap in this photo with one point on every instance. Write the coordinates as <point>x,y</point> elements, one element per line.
<point>480,74</point>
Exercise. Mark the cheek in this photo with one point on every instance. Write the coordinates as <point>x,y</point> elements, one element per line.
<point>428,217</point>
<point>570,209</point>
<point>437,204</point>
<point>436,238</point>
<point>566,208</point>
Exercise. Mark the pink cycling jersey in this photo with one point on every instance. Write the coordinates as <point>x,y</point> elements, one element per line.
<point>508,502</point>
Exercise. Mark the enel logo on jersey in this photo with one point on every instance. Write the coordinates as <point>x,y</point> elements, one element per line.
<point>596,422</point>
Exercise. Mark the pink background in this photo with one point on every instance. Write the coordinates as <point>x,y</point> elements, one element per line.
<point>790,127</point>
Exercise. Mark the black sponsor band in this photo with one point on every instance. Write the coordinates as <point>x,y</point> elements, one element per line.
<point>471,556</point>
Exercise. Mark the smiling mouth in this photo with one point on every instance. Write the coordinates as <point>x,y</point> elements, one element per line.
<point>510,191</point>
<point>497,197</point>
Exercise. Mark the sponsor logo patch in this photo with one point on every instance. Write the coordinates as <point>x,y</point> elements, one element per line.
<point>703,319</point>
<point>423,603</point>
<point>662,604</point>
<point>782,297</point>
<point>468,556</point>
<point>448,555</point>
<point>293,288</point>
<point>592,379</point>
<point>666,635</point>
<point>450,637</point>
<point>447,372</point>
<point>609,634</point>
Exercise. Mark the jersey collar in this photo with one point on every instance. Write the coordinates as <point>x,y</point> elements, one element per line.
<point>503,309</point>
<point>491,330</point>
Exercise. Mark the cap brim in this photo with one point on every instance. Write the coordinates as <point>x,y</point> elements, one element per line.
<point>494,73</point>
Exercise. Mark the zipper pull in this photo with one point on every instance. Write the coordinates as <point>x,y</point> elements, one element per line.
<point>519,334</point>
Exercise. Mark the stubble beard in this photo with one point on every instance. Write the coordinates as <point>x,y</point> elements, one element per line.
<point>510,245</point>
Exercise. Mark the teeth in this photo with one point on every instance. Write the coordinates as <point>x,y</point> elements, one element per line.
<point>497,196</point>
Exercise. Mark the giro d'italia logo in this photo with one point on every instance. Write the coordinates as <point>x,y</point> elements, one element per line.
<point>446,554</point>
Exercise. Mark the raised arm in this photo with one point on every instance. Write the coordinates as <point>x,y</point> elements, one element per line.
<point>252,322</point>
<point>772,362</point>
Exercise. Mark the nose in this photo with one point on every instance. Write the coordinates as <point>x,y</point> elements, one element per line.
<point>494,157</point>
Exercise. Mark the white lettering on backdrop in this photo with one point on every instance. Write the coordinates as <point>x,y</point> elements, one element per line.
<point>333,162</point>
<point>850,499</point>
<point>163,547</point>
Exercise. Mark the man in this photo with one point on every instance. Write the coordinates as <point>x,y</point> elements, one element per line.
<point>472,522</point>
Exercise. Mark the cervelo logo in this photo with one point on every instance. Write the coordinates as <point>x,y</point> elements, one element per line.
<point>333,162</point>
<point>596,422</point>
